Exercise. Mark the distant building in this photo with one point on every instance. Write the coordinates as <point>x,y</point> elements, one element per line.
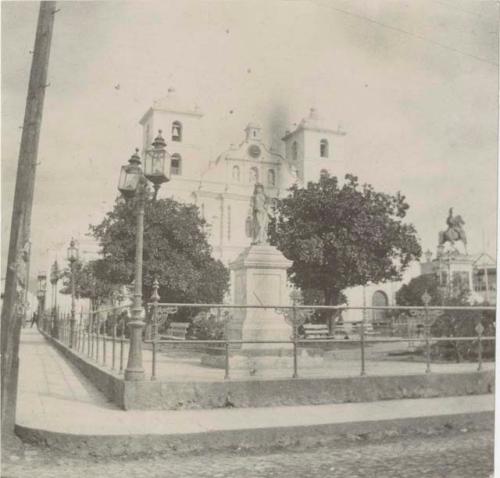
<point>477,273</point>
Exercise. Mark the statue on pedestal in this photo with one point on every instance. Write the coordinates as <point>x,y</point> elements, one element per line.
<point>455,231</point>
<point>259,220</point>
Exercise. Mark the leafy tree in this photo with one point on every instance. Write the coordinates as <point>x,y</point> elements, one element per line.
<point>411,293</point>
<point>452,323</point>
<point>89,282</point>
<point>176,252</point>
<point>340,236</point>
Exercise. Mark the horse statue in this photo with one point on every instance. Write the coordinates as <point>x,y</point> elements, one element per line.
<point>455,231</point>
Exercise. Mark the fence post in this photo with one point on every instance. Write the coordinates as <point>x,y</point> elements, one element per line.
<point>295,339</point>
<point>105,339</point>
<point>362,343</point>
<point>153,365</point>
<point>426,298</point>
<point>226,363</point>
<point>121,346</point>
<point>90,350</point>
<point>479,330</point>
<point>98,331</point>
<point>113,346</point>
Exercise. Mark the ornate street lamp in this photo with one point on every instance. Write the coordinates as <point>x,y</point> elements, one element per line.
<point>155,163</point>
<point>72,256</point>
<point>55,275</point>
<point>132,183</point>
<point>42,290</point>
<point>428,256</point>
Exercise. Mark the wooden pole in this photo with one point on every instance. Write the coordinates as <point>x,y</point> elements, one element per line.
<point>16,283</point>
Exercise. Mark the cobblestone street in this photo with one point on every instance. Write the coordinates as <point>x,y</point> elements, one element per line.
<point>455,454</point>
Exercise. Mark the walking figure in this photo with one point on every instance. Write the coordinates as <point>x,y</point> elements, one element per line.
<point>34,319</point>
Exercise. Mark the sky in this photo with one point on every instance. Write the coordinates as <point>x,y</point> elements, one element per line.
<point>414,84</point>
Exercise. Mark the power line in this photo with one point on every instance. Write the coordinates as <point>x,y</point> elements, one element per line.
<point>414,35</point>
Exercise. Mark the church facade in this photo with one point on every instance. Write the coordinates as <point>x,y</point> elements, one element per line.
<point>222,187</point>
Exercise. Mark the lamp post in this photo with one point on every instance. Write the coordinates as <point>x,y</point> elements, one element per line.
<point>42,289</point>
<point>55,275</point>
<point>132,183</point>
<point>72,258</point>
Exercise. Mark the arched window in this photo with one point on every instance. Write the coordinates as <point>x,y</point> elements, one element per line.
<point>236,173</point>
<point>295,150</point>
<point>323,148</point>
<point>175,165</point>
<point>177,131</point>
<point>253,176</point>
<point>271,177</point>
<point>379,299</point>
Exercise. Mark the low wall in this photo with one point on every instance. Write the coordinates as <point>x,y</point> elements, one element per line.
<point>110,385</point>
<point>172,395</point>
<point>302,391</point>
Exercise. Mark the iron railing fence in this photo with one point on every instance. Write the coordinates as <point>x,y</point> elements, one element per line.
<point>361,332</point>
<point>101,335</point>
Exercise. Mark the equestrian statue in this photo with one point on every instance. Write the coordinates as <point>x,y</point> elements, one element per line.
<point>455,231</point>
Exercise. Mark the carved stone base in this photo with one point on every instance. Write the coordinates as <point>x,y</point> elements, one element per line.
<point>257,361</point>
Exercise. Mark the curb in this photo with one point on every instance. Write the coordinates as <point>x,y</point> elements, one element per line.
<point>253,439</point>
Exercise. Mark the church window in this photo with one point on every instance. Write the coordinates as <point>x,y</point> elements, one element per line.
<point>177,131</point>
<point>379,299</point>
<point>236,173</point>
<point>175,165</point>
<point>253,175</point>
<point>229,222</point>
<point>295,151</point>
<point>271,177</point>
<point>323,148</point>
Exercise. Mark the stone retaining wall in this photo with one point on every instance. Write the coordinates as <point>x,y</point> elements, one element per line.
<point>173,395</point>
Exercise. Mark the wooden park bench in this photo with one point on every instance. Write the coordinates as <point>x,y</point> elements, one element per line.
<point>316,331</point>
<point>176,331</point>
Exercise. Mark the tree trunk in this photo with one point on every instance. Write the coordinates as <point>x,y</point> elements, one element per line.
<point>331,298</point>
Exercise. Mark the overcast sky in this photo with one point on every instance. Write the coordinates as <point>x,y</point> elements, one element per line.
<point>413,83</point>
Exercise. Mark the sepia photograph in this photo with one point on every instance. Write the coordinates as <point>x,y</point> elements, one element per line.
<point>249,238</point>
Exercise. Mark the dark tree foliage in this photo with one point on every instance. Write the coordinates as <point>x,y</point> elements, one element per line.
<point>452,323</point>
<point>88,283</point>
<point>176,252</point>
<point>411,293</point>
<point>340,236</point>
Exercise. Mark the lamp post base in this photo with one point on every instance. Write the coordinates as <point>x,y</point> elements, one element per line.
<point>134,370</point>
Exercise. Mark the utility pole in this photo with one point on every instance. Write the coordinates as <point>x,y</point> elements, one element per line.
<point>18,259</point>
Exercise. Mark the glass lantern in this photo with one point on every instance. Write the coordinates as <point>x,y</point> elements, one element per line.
<point>130,176</point>
<point>42,282</point>
<point>155,162</point>
<point>72,251</point>
<point>54,273</point>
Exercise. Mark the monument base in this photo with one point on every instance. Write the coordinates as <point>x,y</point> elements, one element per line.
<point>255,360</point>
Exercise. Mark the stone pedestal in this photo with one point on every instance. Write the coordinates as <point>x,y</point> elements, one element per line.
<point>260,279</point>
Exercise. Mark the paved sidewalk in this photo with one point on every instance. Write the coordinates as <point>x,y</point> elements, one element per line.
<point>55,396</point>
